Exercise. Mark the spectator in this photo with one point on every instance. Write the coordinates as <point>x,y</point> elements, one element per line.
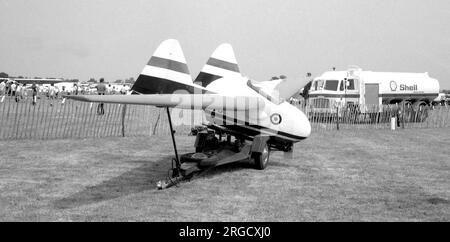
<point>34,90</point>
<point>109,89</point>
<point>51,91</point>
<point>123,90</point>
<point>13,89</point>
<point>101,90</point>
<point>18,92</point>
<point>75,89</point>
<point>24,92</point>
<point>8,88</point>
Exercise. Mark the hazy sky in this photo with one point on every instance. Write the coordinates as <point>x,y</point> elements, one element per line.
<point>115,39</point>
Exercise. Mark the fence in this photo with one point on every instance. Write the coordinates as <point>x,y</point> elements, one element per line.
<point>377,117</point>
<point>50,119</point>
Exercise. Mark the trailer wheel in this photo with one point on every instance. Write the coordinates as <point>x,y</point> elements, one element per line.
<point>261,158</point>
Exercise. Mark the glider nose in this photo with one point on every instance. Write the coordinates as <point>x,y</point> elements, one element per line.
<point>296,122</point>
<point>304,127</point>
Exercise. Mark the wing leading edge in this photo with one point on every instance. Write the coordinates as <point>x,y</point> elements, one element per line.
<point>184,101</point>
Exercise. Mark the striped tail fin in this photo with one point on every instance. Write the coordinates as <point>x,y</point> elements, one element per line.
<point>166,72</point>
<point>222,63</point>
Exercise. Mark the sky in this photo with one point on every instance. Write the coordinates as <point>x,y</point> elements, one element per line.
<point>114,39</point>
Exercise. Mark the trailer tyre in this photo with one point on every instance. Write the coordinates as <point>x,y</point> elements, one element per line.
<point>261,158</point>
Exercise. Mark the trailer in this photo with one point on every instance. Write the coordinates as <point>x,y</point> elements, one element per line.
<point>214,147</point>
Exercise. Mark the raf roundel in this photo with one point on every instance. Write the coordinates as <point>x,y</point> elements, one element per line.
<point>275,118</point>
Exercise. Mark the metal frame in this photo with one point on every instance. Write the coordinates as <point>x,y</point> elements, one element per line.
<point>176,170</point>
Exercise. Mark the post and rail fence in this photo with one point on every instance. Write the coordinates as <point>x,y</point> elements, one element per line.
<point>377,117</point>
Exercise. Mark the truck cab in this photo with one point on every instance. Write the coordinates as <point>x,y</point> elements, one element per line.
<point>334,89</point>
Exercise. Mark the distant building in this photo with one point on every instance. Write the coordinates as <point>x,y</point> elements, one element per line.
<point>39,80</point>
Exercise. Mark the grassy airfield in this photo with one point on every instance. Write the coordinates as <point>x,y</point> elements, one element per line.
<point>363,175</point>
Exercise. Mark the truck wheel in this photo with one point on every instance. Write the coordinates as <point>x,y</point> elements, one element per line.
<point>261,158</point>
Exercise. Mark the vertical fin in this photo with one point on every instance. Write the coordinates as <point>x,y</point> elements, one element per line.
<point>166,72</point>
<point>222,63</point>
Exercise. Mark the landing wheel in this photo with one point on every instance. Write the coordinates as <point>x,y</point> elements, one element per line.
<point>261,158</point>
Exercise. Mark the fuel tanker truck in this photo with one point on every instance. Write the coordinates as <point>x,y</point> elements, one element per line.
<point>369,89</point>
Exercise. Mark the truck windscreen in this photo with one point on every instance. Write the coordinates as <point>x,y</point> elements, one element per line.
<point>317,85</point>
<point>331,85</point>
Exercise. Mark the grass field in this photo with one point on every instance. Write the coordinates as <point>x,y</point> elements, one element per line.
<point>364,175</point>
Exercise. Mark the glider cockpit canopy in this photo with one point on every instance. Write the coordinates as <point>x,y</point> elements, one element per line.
<point>268,94</point>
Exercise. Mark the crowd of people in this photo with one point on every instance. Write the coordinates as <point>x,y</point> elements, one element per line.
<point>20,91</point>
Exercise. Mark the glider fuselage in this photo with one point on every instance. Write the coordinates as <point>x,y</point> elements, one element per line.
<point>276,118</point>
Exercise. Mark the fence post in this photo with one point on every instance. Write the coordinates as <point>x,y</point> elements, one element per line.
<point>124,111</point>
<point>157,121</point>
<point>337,117</point>
<point>16,119</point>
<point>403,115</point>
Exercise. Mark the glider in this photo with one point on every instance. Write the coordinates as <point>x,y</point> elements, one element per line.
<point>235,107</point>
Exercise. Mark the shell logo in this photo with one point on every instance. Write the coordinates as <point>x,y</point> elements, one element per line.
<point>393,86</point>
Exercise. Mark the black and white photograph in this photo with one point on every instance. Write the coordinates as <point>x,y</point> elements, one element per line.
<point>206,111</point>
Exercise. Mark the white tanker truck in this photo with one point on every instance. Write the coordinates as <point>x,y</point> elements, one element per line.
<point>365,89</point>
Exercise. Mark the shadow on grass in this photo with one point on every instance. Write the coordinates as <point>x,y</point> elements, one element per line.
<point>231,167</point>
<point>137,180</point>
<point>240,165</point>
<point>140,179</point>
